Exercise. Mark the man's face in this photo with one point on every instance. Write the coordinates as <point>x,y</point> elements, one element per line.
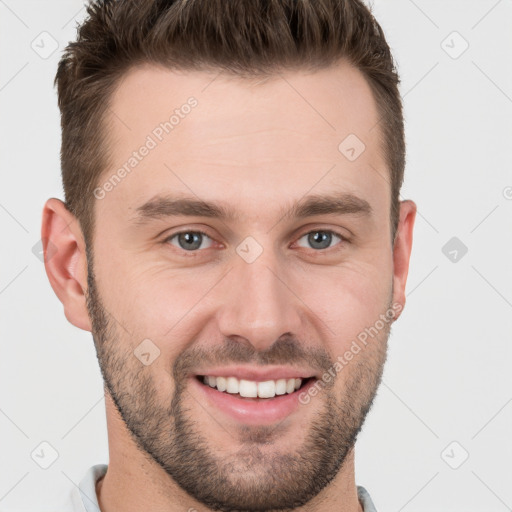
<point>263,290</point>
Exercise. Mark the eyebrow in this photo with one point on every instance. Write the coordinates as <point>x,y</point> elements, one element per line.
<point>161,207</point>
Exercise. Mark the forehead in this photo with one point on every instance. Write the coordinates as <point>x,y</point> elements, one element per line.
<point>290,133</point>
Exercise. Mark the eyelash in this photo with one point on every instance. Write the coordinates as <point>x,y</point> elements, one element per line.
<point>198,231</point>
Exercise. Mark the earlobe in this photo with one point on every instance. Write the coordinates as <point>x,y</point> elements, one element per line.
<point>65,260</point>
<point>402,252</point>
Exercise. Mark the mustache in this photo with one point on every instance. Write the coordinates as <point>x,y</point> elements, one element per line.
<point>285,351</point>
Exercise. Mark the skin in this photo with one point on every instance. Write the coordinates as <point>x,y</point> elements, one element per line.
<point>257,148</point>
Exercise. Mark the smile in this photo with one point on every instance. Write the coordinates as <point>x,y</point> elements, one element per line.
<point>252,389</point>
<point>251,402</point>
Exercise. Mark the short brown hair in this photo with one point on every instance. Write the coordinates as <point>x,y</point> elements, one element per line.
<point>247,38</point>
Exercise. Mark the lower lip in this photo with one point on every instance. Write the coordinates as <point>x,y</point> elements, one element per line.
<point>263,411</point>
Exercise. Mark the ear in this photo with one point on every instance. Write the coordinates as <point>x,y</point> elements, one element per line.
<point>402,252</point>
<point>65,260</point>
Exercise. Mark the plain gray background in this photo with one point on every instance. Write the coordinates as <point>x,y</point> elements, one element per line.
<point>446,392</point>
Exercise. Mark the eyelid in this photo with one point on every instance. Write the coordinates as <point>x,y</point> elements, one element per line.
<point>307,231</point>
<point>202,232</point>
<point>343,233</point>
<point>343,238</point>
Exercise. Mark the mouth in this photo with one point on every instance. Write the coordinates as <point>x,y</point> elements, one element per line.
<point>254,390</point>
<point>269,401</point>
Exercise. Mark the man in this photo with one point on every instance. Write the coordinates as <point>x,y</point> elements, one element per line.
<point>233,238</point>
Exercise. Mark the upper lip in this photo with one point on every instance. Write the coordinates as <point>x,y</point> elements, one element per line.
<point>258,374</point>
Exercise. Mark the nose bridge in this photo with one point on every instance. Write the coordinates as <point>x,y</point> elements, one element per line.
<point>257,303</point>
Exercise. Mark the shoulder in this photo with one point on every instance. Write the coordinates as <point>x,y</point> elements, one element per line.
<point>365,499</point>
<point>82,498</point>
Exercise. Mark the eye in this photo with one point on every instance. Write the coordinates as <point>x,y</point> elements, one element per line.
<point>320,239</point>
<point>189,240</point>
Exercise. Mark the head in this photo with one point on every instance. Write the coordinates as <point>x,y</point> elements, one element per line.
<point>232,180</point>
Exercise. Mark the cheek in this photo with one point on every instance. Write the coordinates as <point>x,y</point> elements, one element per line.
<point>155,302</point>
<point>349,300</point>
<point>358,311</point>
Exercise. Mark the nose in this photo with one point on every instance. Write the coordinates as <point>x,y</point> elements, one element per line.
<point>259,302</point>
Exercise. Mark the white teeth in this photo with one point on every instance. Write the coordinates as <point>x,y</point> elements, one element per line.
<point>221,384</point>
<point>248,389</point>
<point>267,389</point>
<point>232,385</point>
<point>252,389</point>
<point>281,387</point>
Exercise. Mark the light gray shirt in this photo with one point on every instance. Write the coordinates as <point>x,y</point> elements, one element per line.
<point>84,499</point>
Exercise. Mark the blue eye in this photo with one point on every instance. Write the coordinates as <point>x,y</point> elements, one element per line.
<point>189,240</point>
<point>193,241</point>
<point>320,239</point>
